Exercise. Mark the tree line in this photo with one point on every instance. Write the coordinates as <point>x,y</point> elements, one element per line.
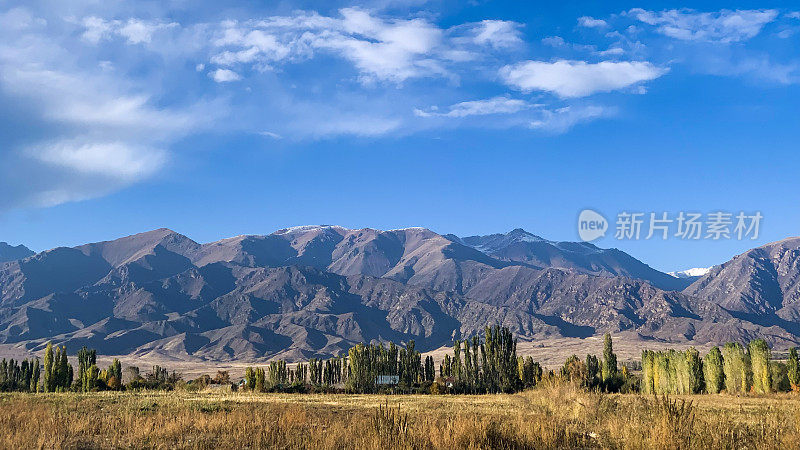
<point>56,374</point>
<point>487,364</point>
<point>477,365</point>
<point>734,369</point>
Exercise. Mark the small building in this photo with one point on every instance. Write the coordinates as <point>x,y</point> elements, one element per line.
<point>387,379</point>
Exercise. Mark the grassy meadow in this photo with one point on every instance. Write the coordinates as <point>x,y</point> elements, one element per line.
<point>549,416</point>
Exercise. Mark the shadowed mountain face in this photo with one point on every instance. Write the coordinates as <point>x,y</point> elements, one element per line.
<point>11,253</point>
<point>519,246</point>
<point>316,291</point>
<point>761,285</point>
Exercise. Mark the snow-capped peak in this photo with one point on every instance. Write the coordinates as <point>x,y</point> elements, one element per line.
<point>304,228</point>
<point>690,273</point>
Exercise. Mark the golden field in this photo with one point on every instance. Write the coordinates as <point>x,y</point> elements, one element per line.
<point>550,416</point>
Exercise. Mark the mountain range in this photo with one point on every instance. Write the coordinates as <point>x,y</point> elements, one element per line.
<point>314,291</point>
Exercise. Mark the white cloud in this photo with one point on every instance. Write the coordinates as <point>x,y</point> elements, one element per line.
<point>135,31</point>
<point>554,41</point>
<point>96,29</point>
<point>498,33</point>
<point>759,67</point>
<point>93,100</point>
<point>559,42</point>
<point>354,125</point>
<point>591,22</point>
<point>577,78</point>
<point>722,26</point>
<point>19,19</point>
<point>386,50</point>
<point>613,51</point>
<point>381,49</point>
<point>224,76</point>
<point>90,127</point>
<point>139,31</point>
<point>108,159</point>
<point>495,105</point>
<point>270,134</point>
<point>256,46</point>
<point>562,119</point>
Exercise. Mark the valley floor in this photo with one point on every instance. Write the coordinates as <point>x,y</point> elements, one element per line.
<point>553,416</point>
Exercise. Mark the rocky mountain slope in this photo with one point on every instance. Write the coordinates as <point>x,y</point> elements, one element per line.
<point>519,246</point>
<point>315,291</point>
<point>761,285</point>
<point>10,253</point>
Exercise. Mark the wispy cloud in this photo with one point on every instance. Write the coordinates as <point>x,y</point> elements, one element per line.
<point>135,31</point>
<point>270,134</point>
<point>720,26</point>
<point>108,91</point>
<point>92,132</point>
<point>562,119</point>
<point>224,76</point>
<point>125,160</point>
<point>381,49</point>
<point>497,33</point>
<point>569,79</point>
<point>591,22</point>
<point>495,105</point>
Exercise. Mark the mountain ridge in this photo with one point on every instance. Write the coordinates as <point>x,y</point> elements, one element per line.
<point>315,291</point>
<point>9,252</point>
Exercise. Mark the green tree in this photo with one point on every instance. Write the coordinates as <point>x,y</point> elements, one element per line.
<point>250,378</point>
<point>736,366</point>
<point>49,366</point>
<point>648,372</point>
<point>696,377</point>
<point>114,374</point>
<point>760,357</point>
<point>430,368</point>
<point>363,369</point>
<point>530,372</point>
<point>574,370</point>
<point>86,359</point>
<point>260,385</point>
<point>499,353</point>
<point>780,379</point>
<point>713,371</point>
<point>662,379</point>
<point>445,368</point>
<point>793,369</point>
<point>34,385</point>
<point>592,371</point>
<point>457,367</point>
<point>609,369</point>
<point>65,370</point>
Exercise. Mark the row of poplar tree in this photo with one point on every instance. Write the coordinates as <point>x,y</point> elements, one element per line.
<point>734,369</point>
<point>279,376</point>
<point>56,374</point>
<point>478,365</point>
<point>358,370</point>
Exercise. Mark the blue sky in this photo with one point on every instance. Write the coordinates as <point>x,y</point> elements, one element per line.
<point>466,118</point>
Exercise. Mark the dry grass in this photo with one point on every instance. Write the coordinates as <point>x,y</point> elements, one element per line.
<point>554,416</point>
